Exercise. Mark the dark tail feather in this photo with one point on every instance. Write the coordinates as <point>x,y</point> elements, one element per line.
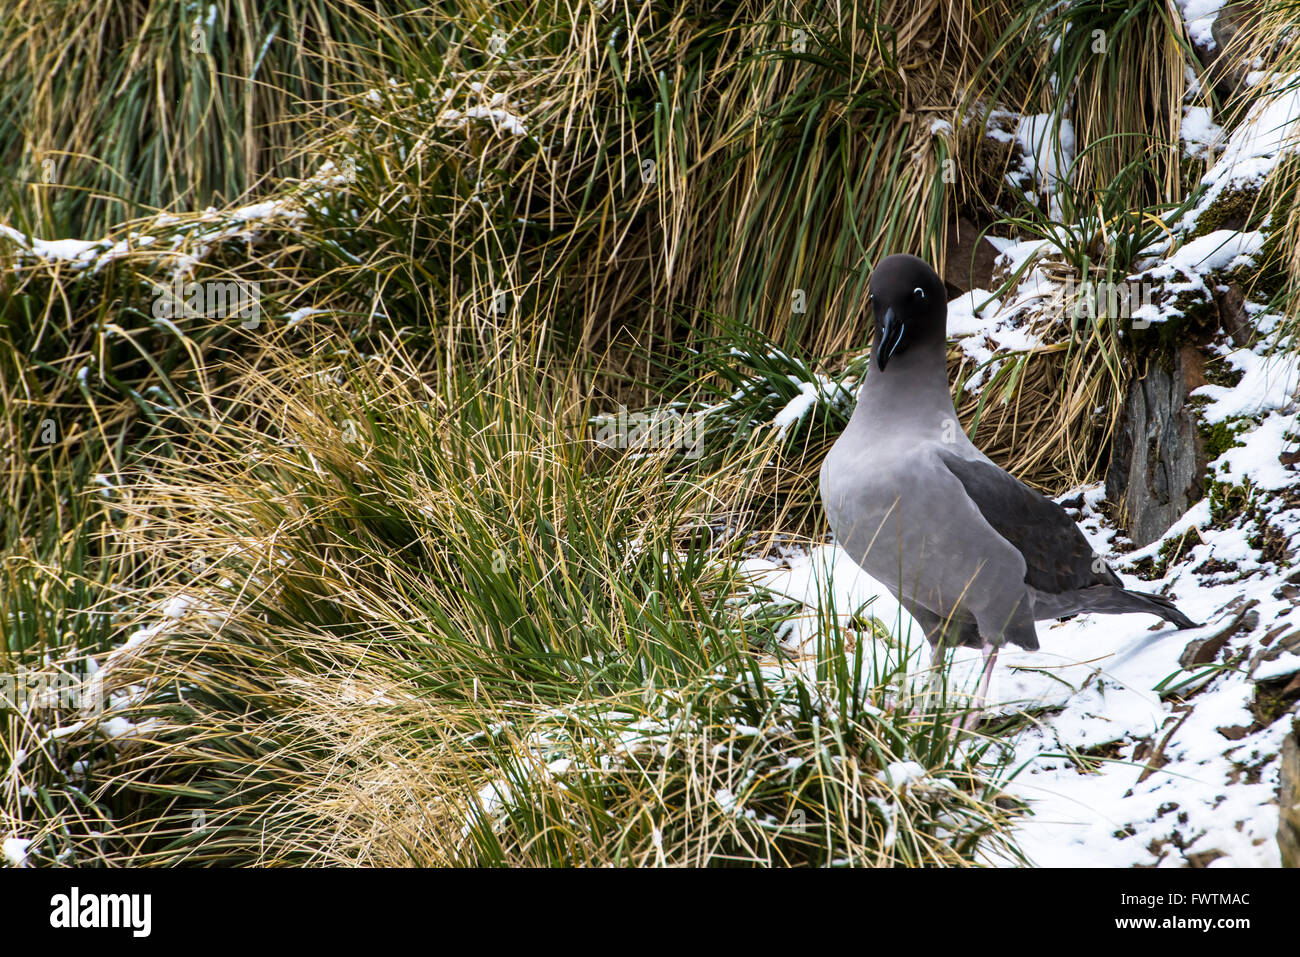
<point>1110,600</point>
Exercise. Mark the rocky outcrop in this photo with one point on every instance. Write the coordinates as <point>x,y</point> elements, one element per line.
<point>1288,799</point>
<point>1157,460</point>
<point>968,258</point>
<point>1226,66</point>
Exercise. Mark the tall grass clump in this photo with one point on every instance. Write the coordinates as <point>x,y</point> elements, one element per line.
<point>1271,32</point>
<point>111,111</point>
<point>356,584</point>
<point>1107,84</point>
<point>1116,74</point>
<point>611,169</point>
<point>416,619</point>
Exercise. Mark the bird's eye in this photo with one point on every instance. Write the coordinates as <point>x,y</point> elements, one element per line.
<point>919,293</point>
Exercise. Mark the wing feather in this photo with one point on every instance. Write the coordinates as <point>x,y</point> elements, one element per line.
<point>1057,556</point>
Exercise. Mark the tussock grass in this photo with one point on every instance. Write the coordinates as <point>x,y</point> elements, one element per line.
<point>1117,73</point>
<point>113,111</point>
<point>388,601</point>
<point>430,625</point>
<point>1271,31</point>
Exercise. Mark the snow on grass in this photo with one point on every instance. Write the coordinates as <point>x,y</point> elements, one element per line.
<point>1221,249</point>
<point>77,251</point>
<point>989,334</point>
<point>798,407</point>
<point>1047,152</point>
<point>820,389</point>
<point>1185,270</point>
<point>298,315</point>
<point>497,112</point>
<point>189,240</point>
<point>16,851</point>
<point>1201,136</point>
<point>1263,139</point>
<point>901,773</point>
<point>987,329</point>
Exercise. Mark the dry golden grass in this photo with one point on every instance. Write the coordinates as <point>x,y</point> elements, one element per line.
<point>342,493</point>
<point>406,587</point>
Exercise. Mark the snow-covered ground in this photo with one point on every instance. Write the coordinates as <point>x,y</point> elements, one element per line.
<point>1091,688</point>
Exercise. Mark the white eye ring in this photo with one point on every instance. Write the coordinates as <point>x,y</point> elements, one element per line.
<point>918,291</point>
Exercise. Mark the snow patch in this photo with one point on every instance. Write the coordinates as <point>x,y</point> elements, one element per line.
<point>1264,138</point>
<point>16,851</point>
<point>1199,17</point>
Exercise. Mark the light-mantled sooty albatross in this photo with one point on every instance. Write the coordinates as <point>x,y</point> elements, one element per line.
<point>972,553</point>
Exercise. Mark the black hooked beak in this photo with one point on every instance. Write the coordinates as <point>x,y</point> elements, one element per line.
<point>891,334</point>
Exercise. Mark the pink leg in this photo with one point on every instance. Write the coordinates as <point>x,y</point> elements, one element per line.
<point>990,658</point>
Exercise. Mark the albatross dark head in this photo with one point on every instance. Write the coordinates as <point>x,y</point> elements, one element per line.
<point>910,307</point>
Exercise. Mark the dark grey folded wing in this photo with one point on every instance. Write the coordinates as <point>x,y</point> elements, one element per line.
<point>1057,556</point>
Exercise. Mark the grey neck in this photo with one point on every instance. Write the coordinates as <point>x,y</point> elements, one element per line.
<point>913,386</point>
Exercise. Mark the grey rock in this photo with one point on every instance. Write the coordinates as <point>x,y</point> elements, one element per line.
<point>1288,799</point>
<point>1157,459</point>
<point>1226,65</point>
<point>968,258</point>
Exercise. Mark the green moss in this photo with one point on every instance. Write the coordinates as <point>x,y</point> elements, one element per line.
<point>1271,543</point>
<point>1147,569</point>
<point>1230,503</point>
<point>1251,208</point>
<point>1170,552</point>
<point>1174,548</point>
<point>1267,278</point>
<point>1233,209</point>
<point>1195,318</point>
<point>1227,502</point>
<point>1221,436</point>
<point>1273,699</point>
<point>1217,372</point>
